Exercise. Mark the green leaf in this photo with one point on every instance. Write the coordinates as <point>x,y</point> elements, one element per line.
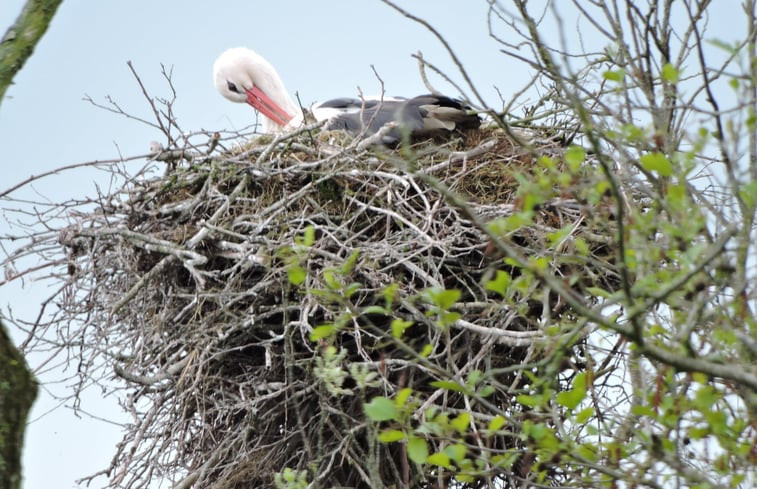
<point>547,162</point>
<point>633,132</point>
<point>725,46</point>
<point>570,399</point>
<point>456,452</point>
<point>431,413</point>
<point>641,410</point>
<point>296,274</point>
<point>417,450</point>
<point>330,352</point>
<point>449,385</point>
<point>381,409</point>
<point>390,436</point>
<point>751,121</point>
<point>291,479</point>
<point>540,263</point>
<point>669,73</point>
<point>517,221</point>
<point>657,162</point>
<point>374,310</point>
<point>461,422</point>
<point>587,451</point>
<point>544,436</point>
<point>443,298</point>
<point>614,75</point>
<point>677,196</point>
<point>718,422</point>
<point>530,401</point>
<point>427,350</point>
<point>601,187</point>
<point>656,330</point>
<point>579,383</point>
<point>582,247</point>
<point>349,264</point>
<point>496,423</point>
<point>399,326</point>
<point>700,378</point>
<point>500,283</point>
<point>564,179</point>
<point>573,397</point>
<point>350,290</point>
<point>556,237</point>
<point>513,262</point>
<point>308,237</point>
<point>706,397</point>
<point>474,377</point>
<point>321,332</point>
<point>402,396</point>
<point>584,415</point>
<point>530,201</point>
<point>574,157</point>
<point>331,281</point>
<point>698,433</point>
<point>449,317</point>
<point>465,478</point>
<point>390,293</point>
<point>440,459</point>
<point>748,194</point>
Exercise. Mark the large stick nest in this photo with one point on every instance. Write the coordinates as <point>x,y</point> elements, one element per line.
<point>193,286</point>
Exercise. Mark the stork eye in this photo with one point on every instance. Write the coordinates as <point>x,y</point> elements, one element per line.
<point>232,87</point>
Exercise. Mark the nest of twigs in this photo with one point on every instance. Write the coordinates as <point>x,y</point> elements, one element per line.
<point>247,300</point>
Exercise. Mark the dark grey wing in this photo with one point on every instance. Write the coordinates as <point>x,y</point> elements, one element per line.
<point>419,116</point>
<point>349,104</point>
<point>438,112</point>
<point>370,120</point>
<point>345,103</point>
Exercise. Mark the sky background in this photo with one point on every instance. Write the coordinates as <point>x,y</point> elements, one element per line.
<point>321,49</point>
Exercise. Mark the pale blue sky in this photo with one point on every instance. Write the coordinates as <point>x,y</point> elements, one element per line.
<point>322,49</point>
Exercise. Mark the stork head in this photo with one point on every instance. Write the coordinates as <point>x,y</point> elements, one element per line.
<point>241,75</point>
<point>232,73</point>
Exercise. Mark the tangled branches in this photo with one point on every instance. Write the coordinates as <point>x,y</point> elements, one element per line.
<point>253,301</point>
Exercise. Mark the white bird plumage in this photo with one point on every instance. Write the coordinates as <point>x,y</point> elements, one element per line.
<point>240,70</point>
<point>243,76</point>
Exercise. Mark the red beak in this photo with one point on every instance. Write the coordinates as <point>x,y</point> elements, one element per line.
<point>267,107</point>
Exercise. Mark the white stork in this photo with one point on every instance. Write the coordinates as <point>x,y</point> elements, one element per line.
<point>241,75</point>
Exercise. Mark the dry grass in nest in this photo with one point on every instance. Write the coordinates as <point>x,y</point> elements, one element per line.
<point>189,283</point>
